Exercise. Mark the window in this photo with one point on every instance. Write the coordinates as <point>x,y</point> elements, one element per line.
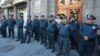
<point>66,2</point>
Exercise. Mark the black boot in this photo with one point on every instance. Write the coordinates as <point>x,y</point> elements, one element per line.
<point>22,42</point>
<point>28,42</point>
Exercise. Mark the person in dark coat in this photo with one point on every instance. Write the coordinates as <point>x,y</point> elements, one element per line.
<point>43,27</point>
<point>35,27</point>
<point>75,26</point>
<point>58,21</point>
<point>88,32</point>
<point>51,30</point>
<point>20,23</point>
<point>64,33</point>
<point>28,31</point>
<point>4,25</point>
<point>11,26</point>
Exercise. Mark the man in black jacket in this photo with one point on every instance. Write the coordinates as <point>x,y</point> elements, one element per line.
<point>4,27</point>
<point>11,25</point>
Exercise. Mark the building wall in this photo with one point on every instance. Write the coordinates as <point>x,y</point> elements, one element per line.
<point>43,7</point>
<point>91,7</point>
<point>97,11</point>
<point>87,9</point>
<point>52,7</point>
<point>0,13</point>
<point>35,7</point>
<point>5,12</point>
<point>48,7</point>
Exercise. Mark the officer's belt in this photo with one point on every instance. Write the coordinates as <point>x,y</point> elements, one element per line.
<point>63,36</point>
<point>20,27</point>
<point>50,32</point>
<point>90,40</point>
<point>43,28</point>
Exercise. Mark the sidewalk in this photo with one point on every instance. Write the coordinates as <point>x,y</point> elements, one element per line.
<point>9,47</point>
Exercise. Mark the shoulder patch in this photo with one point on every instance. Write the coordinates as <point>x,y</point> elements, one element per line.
<point>66,25</point>
<point>93,27</point>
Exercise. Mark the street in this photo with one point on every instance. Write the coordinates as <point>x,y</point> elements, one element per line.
<point>9,47</point>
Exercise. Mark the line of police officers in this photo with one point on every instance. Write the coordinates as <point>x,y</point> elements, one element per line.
<point>62,30</point>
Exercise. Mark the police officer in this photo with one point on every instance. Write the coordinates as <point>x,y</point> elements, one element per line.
<point>58,21</point>
<point>11,24</point>
<point>4,27</point>
<point>20,23</point>
<point>74,32</point>
<point>35,27</point>
<point>88,32</point>
<point>43,27</point>
<point>51,30</point>
<point>64,31</point>
<point>28,31</point>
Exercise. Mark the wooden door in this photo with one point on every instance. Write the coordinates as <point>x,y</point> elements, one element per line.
<point>68,6</point>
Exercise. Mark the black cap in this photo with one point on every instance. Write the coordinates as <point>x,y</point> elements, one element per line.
<point>29,16</point>
<point>11,15</point>
<point>42,15</point>
<point>51,15</point>
<point>36,16</point>
<point>62,16</point>
<point>91,17</point>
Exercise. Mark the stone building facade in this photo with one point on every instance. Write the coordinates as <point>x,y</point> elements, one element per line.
<point>50,7</point>
<point>0,13</point>
<point>91,7</point>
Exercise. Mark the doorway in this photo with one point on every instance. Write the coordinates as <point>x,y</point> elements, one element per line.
<point>70,7</point>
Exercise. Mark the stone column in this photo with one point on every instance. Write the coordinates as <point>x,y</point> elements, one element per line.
<point>29,7</point>
<point>15,12</point>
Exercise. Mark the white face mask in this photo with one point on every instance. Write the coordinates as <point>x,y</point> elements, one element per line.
<point>57,18</point>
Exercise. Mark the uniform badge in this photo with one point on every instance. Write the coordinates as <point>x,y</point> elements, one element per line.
<point>66,25</point>
<point>75,22</point>
<point>93,27</point>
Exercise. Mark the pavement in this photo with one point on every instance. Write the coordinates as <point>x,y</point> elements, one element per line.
<point>9,47</point>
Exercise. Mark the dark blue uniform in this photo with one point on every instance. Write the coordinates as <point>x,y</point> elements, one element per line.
<point>4,27</point>
<point>35,28</point>
<point>87,46</point>
<point>64,31</point>
<point>20,23</point>
<point>43,27</point>
<point>74,34</point>
<point>11,24</point>
<point>28,32</point>
<point>51,30</point>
